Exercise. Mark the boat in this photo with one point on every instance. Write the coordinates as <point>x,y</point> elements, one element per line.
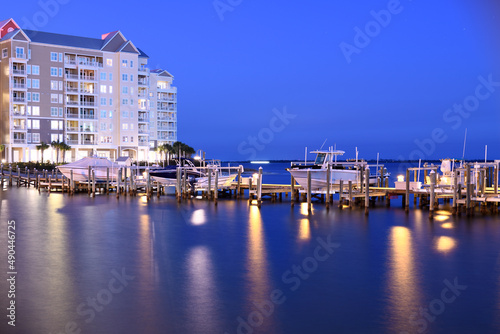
<point>100,166</point>
<point>167,176</point>
<point>345,171</point>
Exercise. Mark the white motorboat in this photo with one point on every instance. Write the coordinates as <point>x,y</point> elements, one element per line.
<point>100,166</point>
<point>345,171</point>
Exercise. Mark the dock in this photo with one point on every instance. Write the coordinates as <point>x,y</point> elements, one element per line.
<point>473,188</point>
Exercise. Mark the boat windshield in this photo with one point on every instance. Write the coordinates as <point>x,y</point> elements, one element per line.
<point>320,158</point>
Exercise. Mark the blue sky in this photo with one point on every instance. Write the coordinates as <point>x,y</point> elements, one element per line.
<point>262,80</point>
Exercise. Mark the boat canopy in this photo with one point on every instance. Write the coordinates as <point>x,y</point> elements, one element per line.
<point>337,152</point>
<point>90,161</point>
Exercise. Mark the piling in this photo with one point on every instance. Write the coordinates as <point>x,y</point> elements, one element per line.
<point>10,175</point>
<point>433,195</point>
<point>71,183</point>
<point>292,194</point>
<point>407,193</point>
<point>238,187</point>
<point>107,180</point>
<point>455,193</point>
<point>18,176</point>
<point>367,190</point>
<point>341,194</point>
<point>216,188</point>
<point>350,194</point>
<point>178,186</point>
<point>93,183</point>
<point>468,191</point>
<point>50,183</point>
<point>309,190</point>
<point>89,178</point>
<point>328,171</point>
<point>28,177</point>
<point>118,180</point>
<point>209,190</point>
<point>259,188</point>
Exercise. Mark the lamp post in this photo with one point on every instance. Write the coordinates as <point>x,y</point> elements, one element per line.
<point>200,157</point>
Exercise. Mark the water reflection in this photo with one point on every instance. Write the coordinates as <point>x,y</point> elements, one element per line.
<point>445,244</point>
<point>304,230</point>
<point>198,217</point>
<point>404,292</point>
<point>202,292</point>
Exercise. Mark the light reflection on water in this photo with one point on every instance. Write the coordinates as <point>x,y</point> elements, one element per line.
<point>198,267</point>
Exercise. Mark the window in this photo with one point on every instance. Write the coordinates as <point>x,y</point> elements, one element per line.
<point>4,53</point>
<point>125,90</point>
<point>54,98</point>
<point>124,77</point>
<point>29,53</point>
<point>131,126</point>
<point>60,98</point>
<point>35,69</point>
<point>36,137</point>
<point>110,102</point>
<point>131,139</point>
<point>103,75</point>
<point>53,84</point>
<point>29,124</point>
<point>131,90</point>
<point>60,85</point>
<point>54,125</point>
<point>53,56</point>
<point>28,69</point>
<point>131,114</point>
<point>53,111</point>
<point>36,97</point>
<point>125,139</point>
<point>28,83</point>
<point>60,57</point>
<point>110,89</point>
<point>125,126</point>
<point>103,101</point>
<point>60,72</point>
<point>61,113</point>
<point>131,63</point>
<point>29,137</point>
<point>110,126</point>
<point>28,96</point>
<point>54,137</point>
<point>131,103</point>
<point>19,52</point>
<point>35,124</point>
<point>109,62</point>
<point>53,71</point>
<point>28,110</point>
<point>35,111</point>
<point>36,83</point>
<point>103,88</point>
<point>124,114</point>
<point>103,113</point>
<point>110,114</point>
<point>131,77</point>
<point>103,126</point>
<point>124,63</point>
<point>125,101</point>
<point>61,126</point>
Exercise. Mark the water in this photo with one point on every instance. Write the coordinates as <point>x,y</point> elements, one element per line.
<point>197,268</point>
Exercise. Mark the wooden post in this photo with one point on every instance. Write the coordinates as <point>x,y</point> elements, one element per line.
<point>259,188</point>
<point>93,183</point>
<point>185,184</point>
<point>455,193</point>
<point>178,186</point>
<point>328,172</point>
<point>107,180</point>
<point>239,182</point>
<point>407,193</point>
<point>148,184</point>
<point>28,177</point>
<point>361,174</point>
<point>415,180</point>
<point>10,175</point>
<point>158,189</point>
<point>350,194</point>
<point>18,176</point>
<point>495,179</point>
<point>50,183</point>
<point>468,191</point>
<point>216,188</point>
<point>433,195</point>
<point>209,193</point>
<point>367,190</point>
<point>1,175</point>
<point>250,196</point>
<point>292,193</point>
<point>71,183</point>
<point>309,193</point>
<point>89,178</point>
<point>118,181</point>
<point>341,194</point>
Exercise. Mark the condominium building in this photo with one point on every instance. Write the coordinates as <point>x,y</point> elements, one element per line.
<point>96,95</point>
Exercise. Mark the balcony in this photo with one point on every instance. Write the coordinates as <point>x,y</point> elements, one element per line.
<point>89,142</point>
<point>143,143</point>
<point>19,141</point>
<point>143,83</point>
<point>88,104</point>
<point>19,99</point>
<point>140,130</point>
<point>87,129</point>
<point>72,141</point>
<point>19,72</point>
<point>71,90</point>
<point>71,115</point>
<point>72,128</point>
<point>87,78</point>
<point>20,55</point>
<point>71,76</point>
<point>18,113</point>
<point>166,128</point>
<point>143,70</point>
<point>164,118</point>
<point>88,116</point>
<point>88,92</point>
<point>90,63</point>
<point>19,127</point>
<point>70,62</point>
<point>143,119</point>
<point>16,85</point>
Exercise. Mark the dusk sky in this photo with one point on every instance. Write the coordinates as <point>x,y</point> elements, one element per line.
<point>262,80</point>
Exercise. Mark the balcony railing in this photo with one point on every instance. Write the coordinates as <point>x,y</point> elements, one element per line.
<point>71,89</point>
<point>89,142</point>
<point>89,92</point>
<point>88,116</point>
<point>18,85</point>
<point>19,99</point>
<point>19,127</point>
<point>18,113</point>
<point>72,76</point>
<point>166,128</point>
<point>72,103</point>
<point>19,141</point>
<point>70,61</point>
<point>87,78</point>
<point>72,128</point>
<point>171,119</point>
<point>143,119</point>
<point>87,103</point>
<point>72,141</point>
<point>142,82</point>
<point>89,63</point>
<point>144,69</point>
<point>71,115</point>
<point>143,143</point>
<point>142,130</point>
<point>19,72</point>
<point>82,129</point>
<point>20,55</point>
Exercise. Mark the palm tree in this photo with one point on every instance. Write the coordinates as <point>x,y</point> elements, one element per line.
<point>42,147</point>
<point>57,145</point>
<point>2,148</point>
<point>164,149</point>
<point>65,147</point>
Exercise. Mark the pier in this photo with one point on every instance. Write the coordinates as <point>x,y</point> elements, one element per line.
<point>471,188</point>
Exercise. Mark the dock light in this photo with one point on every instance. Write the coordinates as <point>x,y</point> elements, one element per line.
<point>197,157</point>
<point>255,176</point>
<point>3,161</point>
<point>401,178</point>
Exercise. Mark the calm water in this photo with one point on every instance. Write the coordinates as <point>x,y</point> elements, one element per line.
<point>103,265</point>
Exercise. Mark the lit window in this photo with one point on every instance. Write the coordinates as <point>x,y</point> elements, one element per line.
<point>54,125</point>
<point>110,114</point>
<point>35,111</point>
<point>124,63</point>
<point>35,124</point>
<point>110,89</point>
<point>53,85</point>
<point>125,126</point>
<point>125,139</point>
<point>103,88</point>
<point>109,62</point>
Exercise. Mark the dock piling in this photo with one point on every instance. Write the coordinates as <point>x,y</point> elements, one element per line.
<point>367,190</point>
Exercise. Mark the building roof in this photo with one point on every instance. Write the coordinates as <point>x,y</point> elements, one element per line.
<point>4,22</point>
<point>162,72</point>
<point>142,53</point>
<point>65,40</point>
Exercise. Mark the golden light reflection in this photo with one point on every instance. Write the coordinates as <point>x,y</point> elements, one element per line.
<point>441,218</point>
<point>304,230</point>
<point>201,291</point>
<point>443,213</point>
<point>447,225</point>
<point>198,217</point>
<point>304,210</point>
<point>445,244</point>
<point>403,286</point>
